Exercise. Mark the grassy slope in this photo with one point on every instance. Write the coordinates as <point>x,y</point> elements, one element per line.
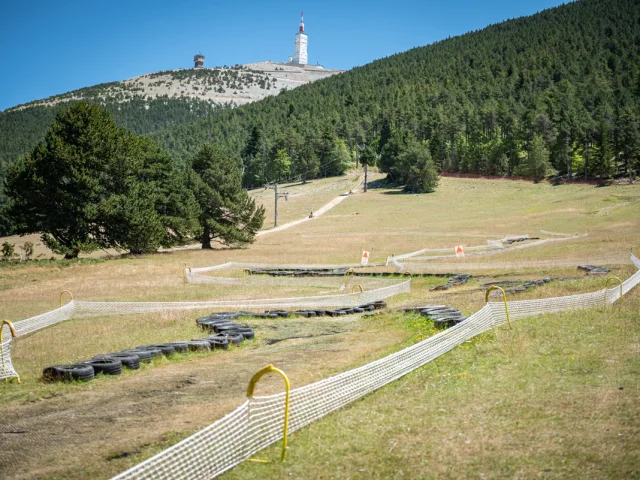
<point>529,398</point>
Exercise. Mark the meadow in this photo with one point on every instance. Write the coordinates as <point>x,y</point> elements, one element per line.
<point>556,396</point>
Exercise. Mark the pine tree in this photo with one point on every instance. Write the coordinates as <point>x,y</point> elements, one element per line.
<point>537,159</point>
<point>92,184</point>
<point>630,140</point>
<point>227,214</point>
<point>418,170</point>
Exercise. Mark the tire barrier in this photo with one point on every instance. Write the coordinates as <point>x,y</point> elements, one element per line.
<point>442,315</point>
<point>257,423</point>
<point>456,280</point>
<point>113,363</point>
<point>593,270</point>
<point>513,287</point>
<point>81,309</point>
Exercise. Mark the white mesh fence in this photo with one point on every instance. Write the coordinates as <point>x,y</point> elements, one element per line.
<point>258,422</point>
<point>493,247</point>
<point>78,309</point>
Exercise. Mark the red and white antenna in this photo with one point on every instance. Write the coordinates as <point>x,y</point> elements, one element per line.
<point>302,22</point>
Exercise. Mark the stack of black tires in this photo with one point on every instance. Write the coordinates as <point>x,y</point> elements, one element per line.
<point>113,363</point>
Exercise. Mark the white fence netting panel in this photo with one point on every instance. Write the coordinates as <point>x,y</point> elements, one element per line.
<point>493,247</point>
<point>79,309</point>
<point>258,422</point>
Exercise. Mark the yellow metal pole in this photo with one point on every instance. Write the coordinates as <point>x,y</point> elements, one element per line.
<point>358,286</point>
<point>14,334</point>
<point>252,385</point>
<point>606,285</point>
<point>62,293</point>
<point>504,296</point>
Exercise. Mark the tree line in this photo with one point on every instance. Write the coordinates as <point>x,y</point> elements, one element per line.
<point>92,184</point>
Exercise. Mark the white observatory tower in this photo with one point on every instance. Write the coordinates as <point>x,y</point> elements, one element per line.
<point>300,52</point>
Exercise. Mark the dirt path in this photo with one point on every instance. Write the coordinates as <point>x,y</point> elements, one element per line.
<point>321,211</point>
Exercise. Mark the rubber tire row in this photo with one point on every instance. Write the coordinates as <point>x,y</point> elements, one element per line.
<point>113,363</point>
<point>442,315</point>
<point>212,321</point>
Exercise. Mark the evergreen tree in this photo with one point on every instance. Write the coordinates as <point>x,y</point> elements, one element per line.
<point>418,170</point>
<point>630,140</point>
<point>92,184</point>
<point>603,164</point>
<point>537,159</point>
<point>55,189</point>
<point>227,214</point>
<point>279,165</point>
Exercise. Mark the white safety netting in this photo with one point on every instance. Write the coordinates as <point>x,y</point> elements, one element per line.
<point>258,422</point>
<point>492,247</point>
<point>78,309</point>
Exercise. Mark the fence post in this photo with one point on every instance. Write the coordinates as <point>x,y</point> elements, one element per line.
<point>606,285</point>
<point>504,297</point>
<point>252,385</point>
<point>349,271</point>
<point>62,293</point>
<point>13,335</point>
<point>246,272</point>
<point>185,278</point>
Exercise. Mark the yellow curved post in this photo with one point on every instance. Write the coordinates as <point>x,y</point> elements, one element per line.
<point>62,294</point>
<point>504,296</point>
<point>252,385</point>
<point>606,285</point>
<point>349,271</point>
<point>14,334</point>
<point>356,286</point>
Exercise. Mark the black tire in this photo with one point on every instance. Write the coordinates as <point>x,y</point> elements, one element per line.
<point>166,349</point>
<point>347,311</point>
<point>228,328</point>
<point>128,360</point>
<point>155,352</point>
<point>198,345</point>
<point>235,338</point>
<point>223,327</point>
<point>180,347</point>
<point>106,365</point>
<point>368,307</point>
<point>247,333</point>
<point>320,313</point>
<point>358,310</point>
<point>218,343</point>
<point>68,373</point>
<point>143,355</point>
<point>301,313</point>
<point>380,304</point>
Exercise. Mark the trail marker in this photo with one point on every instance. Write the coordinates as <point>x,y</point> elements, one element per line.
<point>459,249</point>
<point>365,258</point>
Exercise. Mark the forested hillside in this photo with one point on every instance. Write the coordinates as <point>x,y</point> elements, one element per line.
<point>555,91</point>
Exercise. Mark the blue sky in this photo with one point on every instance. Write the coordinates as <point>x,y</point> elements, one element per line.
<point>48,47</point>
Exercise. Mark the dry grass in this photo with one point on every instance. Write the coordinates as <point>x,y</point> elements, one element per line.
<point>510,376</point>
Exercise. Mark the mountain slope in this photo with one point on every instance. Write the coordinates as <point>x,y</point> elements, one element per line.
<point>157,100</point>
<point>569,75</point>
